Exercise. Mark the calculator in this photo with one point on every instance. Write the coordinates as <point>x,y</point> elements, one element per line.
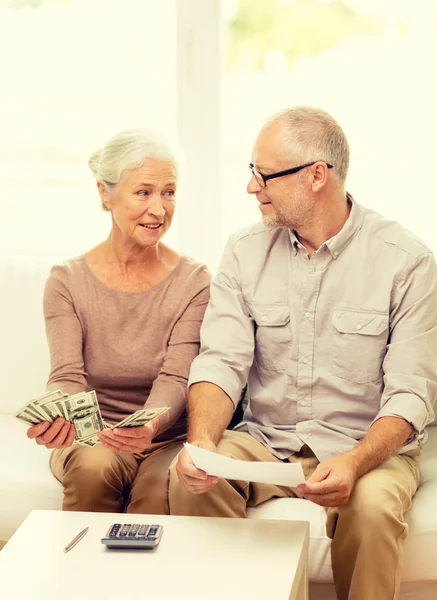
<point>129,535</point>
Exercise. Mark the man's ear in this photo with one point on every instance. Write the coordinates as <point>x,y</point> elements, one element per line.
<point>104,194</point>
<point>320,176</point>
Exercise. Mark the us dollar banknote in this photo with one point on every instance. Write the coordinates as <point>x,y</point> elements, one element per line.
<point>140,417</point>
<point>82,410</point>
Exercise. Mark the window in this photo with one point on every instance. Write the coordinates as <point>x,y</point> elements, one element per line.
<point>207,73</point>
<point>368,63</point>
<point>76,72</point>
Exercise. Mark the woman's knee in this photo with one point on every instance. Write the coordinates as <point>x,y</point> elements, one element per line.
<point>93,467</point>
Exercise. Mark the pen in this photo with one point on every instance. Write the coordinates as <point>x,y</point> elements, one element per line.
<point>75,540</point>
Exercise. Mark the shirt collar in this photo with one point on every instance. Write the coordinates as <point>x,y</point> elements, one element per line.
<point>294,240</point>
<point>338,242</point>
<point>352,226</point>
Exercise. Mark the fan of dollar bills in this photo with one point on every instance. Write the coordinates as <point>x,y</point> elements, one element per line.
<point>83,411</point>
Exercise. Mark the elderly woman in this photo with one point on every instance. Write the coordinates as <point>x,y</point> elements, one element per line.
<point>124,320</point>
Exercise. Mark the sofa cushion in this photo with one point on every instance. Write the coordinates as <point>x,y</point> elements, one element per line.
<point>421,545</point>
<point>26,482</point>
<point>24,357</point>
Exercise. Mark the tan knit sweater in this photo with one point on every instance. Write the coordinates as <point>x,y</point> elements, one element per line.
<point>133,348</point>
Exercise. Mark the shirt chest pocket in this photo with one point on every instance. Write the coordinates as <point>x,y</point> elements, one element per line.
<point>272,335</point>
<point>359,341</point>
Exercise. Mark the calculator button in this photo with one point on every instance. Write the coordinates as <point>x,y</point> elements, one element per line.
<point>152,534</point>
<point>143,530</point>
<point>125,530</point>
<point>134,530</point>
<point>114,530</point>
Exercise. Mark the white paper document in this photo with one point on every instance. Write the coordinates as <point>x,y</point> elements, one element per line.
<point>290,474</point>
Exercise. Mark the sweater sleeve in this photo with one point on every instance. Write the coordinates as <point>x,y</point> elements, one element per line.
<point>64,335</point>
<point>170,387</point>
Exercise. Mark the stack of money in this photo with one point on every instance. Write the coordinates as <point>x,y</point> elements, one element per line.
<point>83,411</point>
<point>139,417</point>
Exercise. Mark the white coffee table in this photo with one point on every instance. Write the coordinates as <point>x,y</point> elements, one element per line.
<point>197,558</point>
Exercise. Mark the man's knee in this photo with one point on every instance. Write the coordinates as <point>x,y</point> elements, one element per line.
<point>371,512</point>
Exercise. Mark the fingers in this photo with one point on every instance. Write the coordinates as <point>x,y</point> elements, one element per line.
<point>131,443</point>
<point>129,439</point>
<point>59,434</point>
<point>148,430</point>
<point>70,437</point>
<point>332,499</point>
<point>65,437</point>
<point>129,432</point>
<point>122,444</point>
<point>319,474</point>
<point>37,430</point>
<point>327,486</point>
<point>118,446</point>
<point>51,432</point>
<point>332,491</point>
<point>195,480</point>
<point>185,466</point>
<point>196,486</point>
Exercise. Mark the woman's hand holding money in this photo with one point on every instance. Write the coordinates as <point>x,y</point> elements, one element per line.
<point>130,439</point>
<point>59,434</point>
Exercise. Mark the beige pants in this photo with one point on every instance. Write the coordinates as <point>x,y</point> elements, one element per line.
<point>101,480</point>
<point>367,534</point>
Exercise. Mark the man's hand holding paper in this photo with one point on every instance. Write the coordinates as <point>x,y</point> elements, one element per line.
<point>195,479</point>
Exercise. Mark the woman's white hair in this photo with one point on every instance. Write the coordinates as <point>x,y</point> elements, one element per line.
<point>311,134</point>
<point>128,150</point>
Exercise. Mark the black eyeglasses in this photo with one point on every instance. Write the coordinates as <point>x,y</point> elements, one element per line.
<point>263,179</point>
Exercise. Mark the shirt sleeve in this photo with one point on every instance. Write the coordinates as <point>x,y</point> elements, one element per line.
<point>169,389</point>
<point>64,336</point>
<point>410,364</point>
<point>227,334</point>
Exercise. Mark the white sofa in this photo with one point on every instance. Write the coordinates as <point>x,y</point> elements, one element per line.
<point>26,482</point>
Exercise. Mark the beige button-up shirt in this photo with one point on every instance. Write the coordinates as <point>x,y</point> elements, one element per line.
<point>326,345</point>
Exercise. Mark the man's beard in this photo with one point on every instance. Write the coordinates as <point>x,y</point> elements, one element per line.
<point>289,218</point>
<point>272,220</point>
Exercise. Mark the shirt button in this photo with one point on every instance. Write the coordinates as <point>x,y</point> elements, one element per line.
<point>263,318</point>
<point>336,254</point>
<point>303,403</point>
<point>359,326</point>
<point>308,315</point>
<point>305,360</point>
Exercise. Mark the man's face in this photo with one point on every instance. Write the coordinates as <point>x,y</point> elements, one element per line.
<point>285,201</point>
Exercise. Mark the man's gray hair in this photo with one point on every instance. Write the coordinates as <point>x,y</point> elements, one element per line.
<point>128,150</point>
<point>311,134</point>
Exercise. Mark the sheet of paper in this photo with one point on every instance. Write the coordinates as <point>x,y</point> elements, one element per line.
<point>290,474</point>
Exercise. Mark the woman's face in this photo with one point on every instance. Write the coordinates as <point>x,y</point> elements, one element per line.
<point>143,204</point>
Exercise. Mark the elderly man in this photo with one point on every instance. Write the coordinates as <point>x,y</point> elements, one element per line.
<point>328,311</point>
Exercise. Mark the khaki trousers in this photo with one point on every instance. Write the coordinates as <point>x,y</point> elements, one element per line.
<point>101,480</point>
<point>367,534</point>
